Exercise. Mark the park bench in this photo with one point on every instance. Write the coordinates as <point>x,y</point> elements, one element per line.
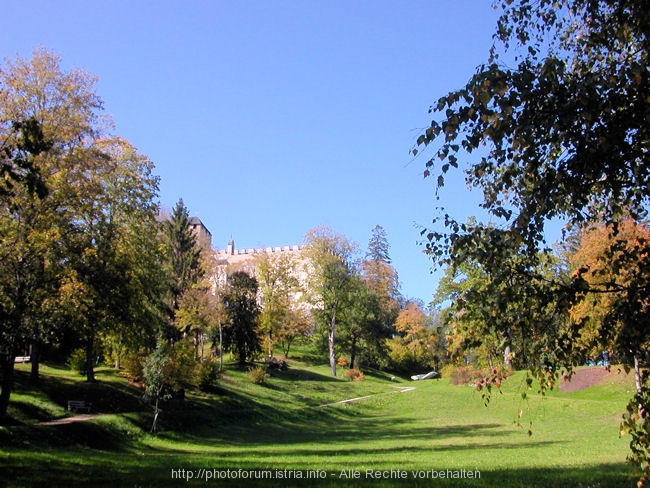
<point>77,405</point>
<point>22,359</point>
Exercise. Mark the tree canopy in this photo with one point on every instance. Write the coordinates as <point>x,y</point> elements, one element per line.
<point>552,128</point>
<point>75,205</point>
<point>330,275</point>
<point>242,316</point>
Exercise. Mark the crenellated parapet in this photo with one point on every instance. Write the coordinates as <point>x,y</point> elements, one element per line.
<point>232,251</point>
<point>232,259</point>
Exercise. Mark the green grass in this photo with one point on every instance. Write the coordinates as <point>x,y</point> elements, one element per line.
<point>283,426</point>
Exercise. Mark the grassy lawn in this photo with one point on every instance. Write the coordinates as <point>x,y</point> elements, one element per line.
<point>283,427</point>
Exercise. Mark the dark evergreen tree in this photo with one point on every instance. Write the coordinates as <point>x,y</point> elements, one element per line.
<point>378,245</point>
<point>242,316</point>
<point>184,255</point>
<point>17,158</point>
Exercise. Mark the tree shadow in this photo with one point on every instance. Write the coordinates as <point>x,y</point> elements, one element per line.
<point>165,470</point>
<point>105,396</point>
<point>302,375</point>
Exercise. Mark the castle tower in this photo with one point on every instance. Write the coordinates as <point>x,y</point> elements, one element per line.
<point>203,235</point>
<point>230,250</point>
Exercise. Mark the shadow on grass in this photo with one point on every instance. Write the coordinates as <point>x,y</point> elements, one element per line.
<point>101,435</point>
<point>302,375</point>
<point>151,470</point>
<point>105,394</point>
<point>27,410</point>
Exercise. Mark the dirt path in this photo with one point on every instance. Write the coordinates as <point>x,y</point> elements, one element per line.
<point>70,420</point>
<point>584,378</point>
<point>402,389</point>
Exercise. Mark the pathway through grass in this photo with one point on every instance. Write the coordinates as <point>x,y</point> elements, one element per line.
<point>350,400</point>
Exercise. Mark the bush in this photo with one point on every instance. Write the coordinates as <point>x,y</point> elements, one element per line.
<point>354,375</point>
<point>342,362</point>
<point>466,375</point>
<point>406,358</point>
<point>257,375</point>
<point>133,364</point>
<point>179,370</point>
<point>276,364</point>
<point>77,361</point>
<point>207,374</point>
<point>448,370</point>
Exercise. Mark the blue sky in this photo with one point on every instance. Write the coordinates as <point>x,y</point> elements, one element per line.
<point>272,117</point>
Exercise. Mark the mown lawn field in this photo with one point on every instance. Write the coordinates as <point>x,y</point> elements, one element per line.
<point>398,433</point>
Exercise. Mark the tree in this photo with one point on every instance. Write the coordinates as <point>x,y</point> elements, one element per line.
<point>382,280</point>
<point>378,246</point>
<point>166,372</point>
<point>154,377</point>
<point>242,316</point>
<point>184,254</point>
<point>196,315</point>
<point>17,158</point>
<point>476,303</point>
<point>561,135</point>
<point>114,196</point>
<point>74,191</point>
<point>413,348</point>
<point>22,189</point>
<point>277,288</point>
<point>298,323</point>
<point>608,296</point>
<point>146,288</point>
<point>329,256</point>
<point>363,329</point>
<point>48,120</point>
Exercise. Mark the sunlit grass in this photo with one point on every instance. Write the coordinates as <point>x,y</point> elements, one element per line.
<point>283,425</point>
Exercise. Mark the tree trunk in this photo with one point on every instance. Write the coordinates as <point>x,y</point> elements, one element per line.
<point>90,370</point>
<point>353,352</point>
<point>36,361</point>
<point>220,347</point>
<point>637,375</point>
<point>118,354</point>
<point>330,342</point>
<point>287,346</point>
<point>155,418</point>
<point>7,383</point>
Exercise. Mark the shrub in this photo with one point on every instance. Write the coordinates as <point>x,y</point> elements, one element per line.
<point>448,370</point>
<point>354,375</point>
<point>257,375</point>
<point>133,364</point>
<point>466,375</point>
<point>77,361</point>
<point>207,374</point>
<point>342,362</point>
<point>276,364</point>
<point>408,358</point>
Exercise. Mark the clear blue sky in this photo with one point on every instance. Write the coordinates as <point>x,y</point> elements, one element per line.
<point>271,117</point>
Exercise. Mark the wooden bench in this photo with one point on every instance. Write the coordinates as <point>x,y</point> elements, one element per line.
<point>77,405</point>
<point>22,359</point>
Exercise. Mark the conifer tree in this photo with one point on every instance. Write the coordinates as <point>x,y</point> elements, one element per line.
<point>184,255</point>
